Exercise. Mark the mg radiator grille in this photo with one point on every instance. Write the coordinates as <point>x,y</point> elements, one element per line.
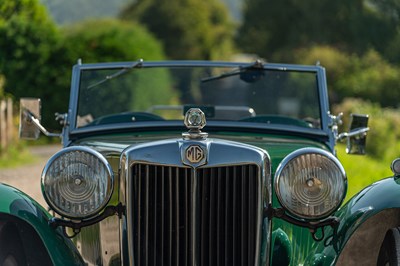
<point>202,217</point>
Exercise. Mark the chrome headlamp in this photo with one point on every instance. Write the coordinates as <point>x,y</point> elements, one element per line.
<point>77,182</point>
<point>310,183</point>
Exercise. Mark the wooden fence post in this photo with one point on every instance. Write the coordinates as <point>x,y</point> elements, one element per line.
<point>3,123</point>
<point>10,124</point>
<point>6,123</point>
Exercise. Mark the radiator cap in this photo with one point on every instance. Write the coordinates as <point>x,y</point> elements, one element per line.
<point>195,120</point>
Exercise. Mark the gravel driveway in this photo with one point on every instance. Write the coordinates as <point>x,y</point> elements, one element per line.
<point>27,177</point>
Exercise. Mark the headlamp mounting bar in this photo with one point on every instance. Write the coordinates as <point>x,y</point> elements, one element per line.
<point>280,213</point>
<point>76,226</point>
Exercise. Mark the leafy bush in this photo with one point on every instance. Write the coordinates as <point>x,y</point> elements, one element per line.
<point>108,40</point>
<point>36,57</point>
<point>278,27</point>
<point>189,29</point>
<point>336,63</point>
<point>31,54</point>
<point>371,77</point>
<point>113,40</point>
<point>348,75</point>
<point>66,12</point>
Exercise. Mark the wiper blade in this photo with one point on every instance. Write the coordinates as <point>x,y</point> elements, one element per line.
<point>118,73</point>
<point>257,65</point>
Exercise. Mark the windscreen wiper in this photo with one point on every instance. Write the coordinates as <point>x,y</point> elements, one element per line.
<point>257,65</point>
<point>118,73</point>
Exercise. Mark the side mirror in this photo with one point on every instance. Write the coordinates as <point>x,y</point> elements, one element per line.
<point>357,135</point>
<point>29,108</point>
<point>30,126</point>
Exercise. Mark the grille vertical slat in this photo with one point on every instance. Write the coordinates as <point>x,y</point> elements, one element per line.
<point>153,210</point>
<point>186,217</point>
<point>228,210</point>
<point>220,204</point>
<point>252,212</point>
<point>162,216</point>
<point>168,245</point>
<point>176,216</point>
<point>204,194</point>
<point>146,213</point>
<point>249,203</point>
<point>137,207</point>
<point>202,217</point>
<point>234,209</point>
<point>212,217</point>
<point>243,219</point>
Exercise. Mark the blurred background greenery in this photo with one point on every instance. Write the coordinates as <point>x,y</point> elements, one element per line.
<point>358,42</point>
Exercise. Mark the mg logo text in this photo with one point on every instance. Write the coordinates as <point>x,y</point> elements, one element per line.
<point>194,154</point>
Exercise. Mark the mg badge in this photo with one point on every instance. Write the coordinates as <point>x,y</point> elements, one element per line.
<point>194,154</point>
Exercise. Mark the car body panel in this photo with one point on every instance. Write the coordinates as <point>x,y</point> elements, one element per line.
<point>14,204</point>
<point>277,147</point>
<point>293,239</point>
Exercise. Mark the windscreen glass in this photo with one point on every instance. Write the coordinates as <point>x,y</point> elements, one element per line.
<point>246,95</point>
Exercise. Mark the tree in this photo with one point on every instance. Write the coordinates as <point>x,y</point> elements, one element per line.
<point>391,10</point>
<point>369,77</point>
<point>31,55</point>
<point>274,28</point>
<point>73,11</point>
<point>36,57</point>
<point>189,29</point>
<point>110,40</point>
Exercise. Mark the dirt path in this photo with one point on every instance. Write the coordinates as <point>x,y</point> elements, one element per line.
<point>27,177</point>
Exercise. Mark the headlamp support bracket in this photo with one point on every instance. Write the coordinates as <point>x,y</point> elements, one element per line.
<point>313,226</point>
<point>76,226</point>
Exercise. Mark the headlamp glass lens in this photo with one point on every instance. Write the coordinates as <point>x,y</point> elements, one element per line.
<point>77,183</point>
<point>311,185</point>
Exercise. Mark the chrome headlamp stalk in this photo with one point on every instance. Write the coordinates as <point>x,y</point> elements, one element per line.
<point>310,183</point>
<point>77,182</point>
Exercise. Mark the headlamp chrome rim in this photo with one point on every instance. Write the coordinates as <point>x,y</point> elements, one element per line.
<point>395,166</point>
<point>303,152</point>
<point>109,180</point>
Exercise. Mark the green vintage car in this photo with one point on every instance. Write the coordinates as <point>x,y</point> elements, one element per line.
<point>199,163</point>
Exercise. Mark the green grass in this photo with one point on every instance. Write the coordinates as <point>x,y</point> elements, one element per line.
<point>362,170</point>
<point>14,156</point>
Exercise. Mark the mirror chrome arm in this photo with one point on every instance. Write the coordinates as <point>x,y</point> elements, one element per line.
<point>353,133</point>
<point>36,122</point>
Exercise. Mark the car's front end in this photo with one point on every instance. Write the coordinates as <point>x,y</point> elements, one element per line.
<point>199,163</point>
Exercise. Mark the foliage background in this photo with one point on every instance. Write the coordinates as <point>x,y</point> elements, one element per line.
<point>358,42</point>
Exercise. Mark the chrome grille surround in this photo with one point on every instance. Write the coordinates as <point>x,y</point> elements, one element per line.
<point>205,213</point>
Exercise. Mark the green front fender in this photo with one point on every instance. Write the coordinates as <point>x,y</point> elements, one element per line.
<point>379,196</point>
<point>356,240</point>
<point>369,210</point>
<point>17,207</point>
